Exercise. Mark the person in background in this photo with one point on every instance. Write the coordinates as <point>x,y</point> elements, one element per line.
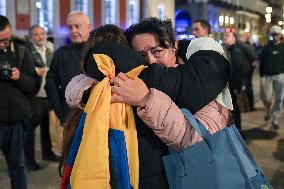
<point>18,83</point>
<point>201,28</point>
<point>240,67</point>
<point>42,56</point>
<point>250,55</point>
<point>271,70</point>
<point>65,63</point>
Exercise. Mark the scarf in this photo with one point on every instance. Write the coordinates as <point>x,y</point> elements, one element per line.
<point>104,151</point>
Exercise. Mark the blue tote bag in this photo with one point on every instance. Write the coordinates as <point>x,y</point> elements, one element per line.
<point>220,161</point>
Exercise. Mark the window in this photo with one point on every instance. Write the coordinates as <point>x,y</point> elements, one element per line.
<point>3,7</point>
<point>109,11</point>
<point>132,12</point>
<point>161,11</point>
<point>45,15</point>
<point>81,5</point>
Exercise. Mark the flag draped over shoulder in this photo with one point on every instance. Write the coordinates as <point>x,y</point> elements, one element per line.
<point>104,151</point>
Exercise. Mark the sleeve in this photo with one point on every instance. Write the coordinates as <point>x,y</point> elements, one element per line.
<point>167,80</point>
<point>194,84</point>
<point>167,121</point>
<point>169,124</point>
<point>52,84</point>
<point>29,82</point>
<point>248,51</point>
<point>76,88</point>
<point>237,61</point>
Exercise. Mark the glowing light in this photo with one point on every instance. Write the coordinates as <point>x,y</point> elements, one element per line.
<point>268,16</point>
<point>38,4</point>
<point>221,19</point>
<point>268,9</point>
<point>226,19</point>
<point>232,20</point>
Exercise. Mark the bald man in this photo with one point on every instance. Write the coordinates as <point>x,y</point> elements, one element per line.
<point>66,63</point>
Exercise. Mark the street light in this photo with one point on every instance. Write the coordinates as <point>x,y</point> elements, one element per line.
<point>268,16</point>
<point>38,7</point>
<point>38,4</point>
<point>226,19</point>
<point>232,20</point>
<point>268,10</point>
<point>221,20</point>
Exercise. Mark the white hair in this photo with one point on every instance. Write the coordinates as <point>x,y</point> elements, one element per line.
<point>76,12</point>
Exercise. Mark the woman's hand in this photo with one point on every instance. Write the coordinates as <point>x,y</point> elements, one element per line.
<point>133,92</point>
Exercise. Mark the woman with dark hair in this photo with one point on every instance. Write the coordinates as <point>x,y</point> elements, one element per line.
<point>175,83</point>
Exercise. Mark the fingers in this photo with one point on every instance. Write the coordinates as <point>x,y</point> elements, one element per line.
<point>15,74</point>
<point>117,81</point>
<point>122,76</point>
<point>115,89</point>
<point>116,99</point>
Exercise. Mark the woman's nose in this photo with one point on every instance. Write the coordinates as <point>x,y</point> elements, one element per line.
<point>151,59</point>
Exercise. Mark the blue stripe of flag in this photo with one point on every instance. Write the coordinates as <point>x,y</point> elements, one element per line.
<point>76,141</point>
<point>119,170</point>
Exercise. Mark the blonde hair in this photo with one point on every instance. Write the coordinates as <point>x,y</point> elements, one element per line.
<point>80,13</point>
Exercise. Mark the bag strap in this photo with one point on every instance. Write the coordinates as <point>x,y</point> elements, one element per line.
<point>199,127</point>
<point>238,135</point>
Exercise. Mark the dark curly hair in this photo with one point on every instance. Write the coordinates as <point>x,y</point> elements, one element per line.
<point>108,33</point>
<point>162,30</point>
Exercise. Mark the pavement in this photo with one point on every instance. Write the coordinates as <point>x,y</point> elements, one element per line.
<point>267,146</point>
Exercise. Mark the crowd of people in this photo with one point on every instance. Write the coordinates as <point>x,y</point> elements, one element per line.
<point>34,81</point>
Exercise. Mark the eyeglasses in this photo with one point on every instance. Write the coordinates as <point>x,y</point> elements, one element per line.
<point>6,41</point>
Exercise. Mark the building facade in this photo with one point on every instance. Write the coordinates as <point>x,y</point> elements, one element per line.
<point>52,14</point>
<point>224,15</point>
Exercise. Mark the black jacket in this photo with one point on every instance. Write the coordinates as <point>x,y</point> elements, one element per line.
<point>240,66</point>
<point>192,86</point>
<point>15,95</point>
<point>272,59</point>
<point>37,57</point>
<point>65,64</point>
<point>248,50</point>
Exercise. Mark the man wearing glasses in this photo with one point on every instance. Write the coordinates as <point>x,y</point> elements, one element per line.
<point>272,76</point>
<point>18,81</point>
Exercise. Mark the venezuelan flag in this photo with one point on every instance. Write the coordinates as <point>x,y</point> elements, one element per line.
<point>104,151</point>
